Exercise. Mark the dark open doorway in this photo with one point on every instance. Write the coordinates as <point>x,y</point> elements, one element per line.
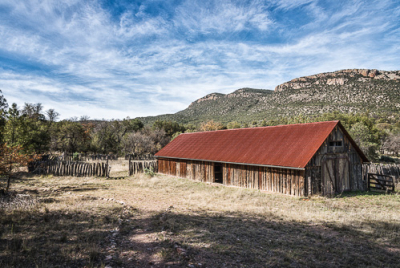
<point>218,173</point>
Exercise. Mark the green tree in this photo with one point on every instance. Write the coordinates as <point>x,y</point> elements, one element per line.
<point>189,128</point>
<point>365,139</point>
<point>70,136</point>
<point>263,123</point>
<point>30,131</point>
<point>169,127</point>
<point>233,124</point>
<point>3,112</point>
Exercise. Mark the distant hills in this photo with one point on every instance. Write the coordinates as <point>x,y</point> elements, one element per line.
<point>346,91</point>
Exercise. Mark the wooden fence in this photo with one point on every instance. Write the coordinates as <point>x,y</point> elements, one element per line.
<point>67,168</point>
<point>140,166</point>
<point>383,169</point>
<point>380,182</point>
<point>139,157</point>
<point>87,157</point>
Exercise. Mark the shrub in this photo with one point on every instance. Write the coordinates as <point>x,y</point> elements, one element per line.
<point>149,171</point>
<point>75,157</point>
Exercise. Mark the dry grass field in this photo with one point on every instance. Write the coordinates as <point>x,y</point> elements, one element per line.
<point>163,221</point>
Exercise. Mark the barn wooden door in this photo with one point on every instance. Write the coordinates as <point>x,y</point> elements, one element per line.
<point>335,174</point>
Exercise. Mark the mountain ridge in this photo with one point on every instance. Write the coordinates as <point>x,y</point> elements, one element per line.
<point>347,91</point>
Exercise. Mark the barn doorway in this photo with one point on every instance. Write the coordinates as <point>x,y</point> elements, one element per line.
<point>218,173</point>
<point>335,174</point>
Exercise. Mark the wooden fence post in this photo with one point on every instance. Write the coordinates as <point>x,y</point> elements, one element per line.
<point>107,171</point>
<point>130,163</point>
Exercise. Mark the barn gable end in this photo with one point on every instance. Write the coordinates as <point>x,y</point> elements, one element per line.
<point>337,166</point>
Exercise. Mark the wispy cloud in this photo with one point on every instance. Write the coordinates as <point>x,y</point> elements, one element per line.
<point>87,57</point>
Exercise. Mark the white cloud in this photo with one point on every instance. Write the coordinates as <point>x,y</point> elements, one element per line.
<point>220,16</point>
<point>88,61</point>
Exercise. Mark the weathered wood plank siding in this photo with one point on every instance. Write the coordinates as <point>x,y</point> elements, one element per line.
<point>334,169</point>
<point>286,181</point>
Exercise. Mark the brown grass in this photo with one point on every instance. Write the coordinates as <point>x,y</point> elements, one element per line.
<point>163,221</point>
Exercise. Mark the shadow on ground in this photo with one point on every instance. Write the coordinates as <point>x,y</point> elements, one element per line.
<point>120,236</point>
<point>236,240</point>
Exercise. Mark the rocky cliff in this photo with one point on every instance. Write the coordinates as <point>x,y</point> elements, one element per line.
<point>339,78</point>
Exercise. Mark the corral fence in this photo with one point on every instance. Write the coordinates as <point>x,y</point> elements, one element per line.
<point>382,176</point>
<point>70,168</point>
<point>87,157</point>
<point>380,182</point>
<point>383,169</point>
<point>136,167</point>
<point>140,157</point>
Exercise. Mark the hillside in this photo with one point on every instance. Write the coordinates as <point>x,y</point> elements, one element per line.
<point>347,91</point>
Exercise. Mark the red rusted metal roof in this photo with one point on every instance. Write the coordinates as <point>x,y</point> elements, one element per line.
<point>284,145</point>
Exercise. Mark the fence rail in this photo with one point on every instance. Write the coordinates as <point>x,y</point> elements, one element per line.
<point>383,169</point>
<point>87,157</point>
<point>380,182</point>
<point>139,157</point>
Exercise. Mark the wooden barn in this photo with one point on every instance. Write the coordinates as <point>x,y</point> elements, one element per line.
<point>301,159</point>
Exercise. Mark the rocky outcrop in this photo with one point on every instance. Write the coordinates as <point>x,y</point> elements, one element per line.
<point>246,93</point>
<point>339,78</point>
<point>212,96</point>
<point>240,93</point>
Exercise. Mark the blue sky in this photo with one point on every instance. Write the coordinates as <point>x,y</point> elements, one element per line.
<point>113,59</point>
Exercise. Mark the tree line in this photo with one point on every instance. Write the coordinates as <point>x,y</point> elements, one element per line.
<point>37,131</point>
<point>31,130</point>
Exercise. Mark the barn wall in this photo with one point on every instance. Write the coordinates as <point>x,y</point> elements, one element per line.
<point>331,163</point>
<point>286,181</point>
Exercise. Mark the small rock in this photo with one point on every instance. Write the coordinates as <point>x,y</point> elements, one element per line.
<point>181,251</point>
<point>108,258</point>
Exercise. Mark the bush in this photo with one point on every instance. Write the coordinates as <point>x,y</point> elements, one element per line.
<point>75,157</point>
<point>149,171</point>
<point>385,158</point>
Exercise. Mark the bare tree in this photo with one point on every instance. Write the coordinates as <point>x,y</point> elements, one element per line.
<point>33,111</point>
<point>146,141</point>
<point>52,115</point>
<point>392,144</point>
<point>84,119</point>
